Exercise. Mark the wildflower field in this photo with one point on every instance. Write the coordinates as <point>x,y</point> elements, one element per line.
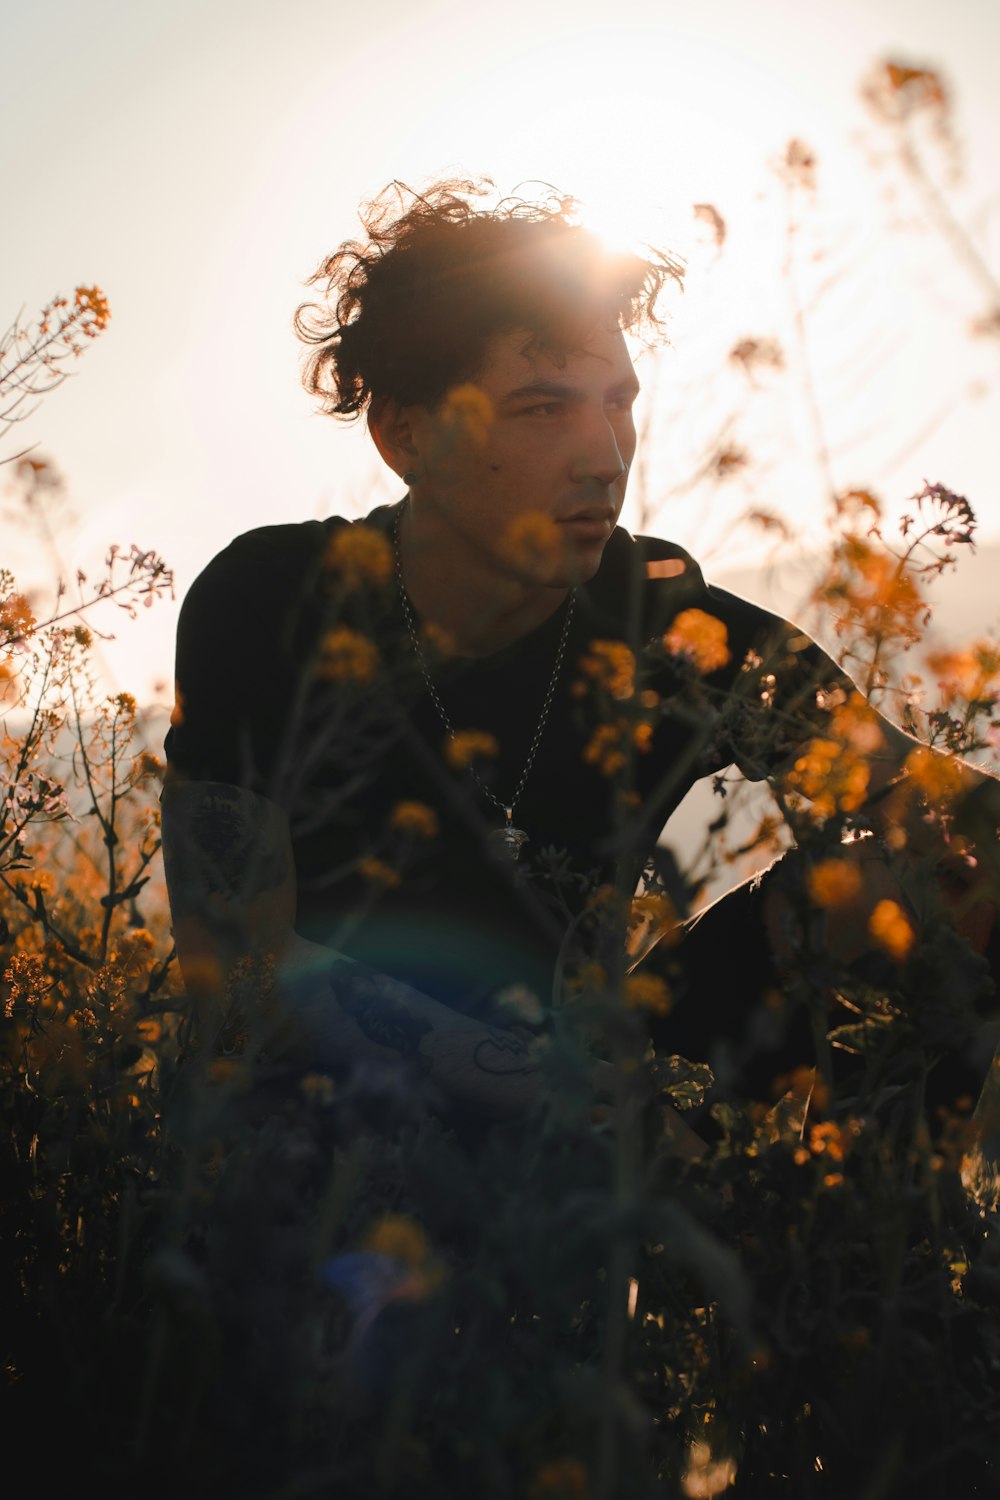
<point>224,1275</point>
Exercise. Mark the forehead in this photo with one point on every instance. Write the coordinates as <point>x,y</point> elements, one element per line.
<point>513,359</point>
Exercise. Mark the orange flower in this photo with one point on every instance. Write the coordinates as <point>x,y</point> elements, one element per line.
<point>378,872</point>
<point>415,819</point>
<point>359,554</point>
<point>560,1479</point>
<point>402,1238</point>
<point>437,641</point>
<point>466,746</point>
<point>466,413</point>
<point>147,768</point>
<point>16,619</point>
<point>966,674</point>
<point>610,665</point>
<point>647,992</point>
<point>700,636</point>
<point>603,748</point>
<point>706,1475</point>
<point>642,738</point>
<point>834,882</point>
<point>855,723</point>
<point>346,656</point>
<point>92,304</point>
<point>871,591</point>
<point>533,539</point>
<point>589,977</point>
<point>938,777</point>
<point>891,929</point>
<point>827,1138</point>
<point>831,776</point>
<point>405,1241</point>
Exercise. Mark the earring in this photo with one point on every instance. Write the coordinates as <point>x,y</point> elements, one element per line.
<point>410,478</point>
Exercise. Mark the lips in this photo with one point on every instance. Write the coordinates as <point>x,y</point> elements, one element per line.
<point>597,516</point>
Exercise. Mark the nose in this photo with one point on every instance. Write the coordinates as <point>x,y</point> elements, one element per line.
<point>599,456</point>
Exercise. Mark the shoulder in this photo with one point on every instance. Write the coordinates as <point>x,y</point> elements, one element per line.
<point>664,577</point>
<point>276,551</point>
<point>266,572</point>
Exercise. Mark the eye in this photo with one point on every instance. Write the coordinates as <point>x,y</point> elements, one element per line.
<point>543,409</point>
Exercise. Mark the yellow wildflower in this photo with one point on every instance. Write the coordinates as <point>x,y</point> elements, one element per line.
<point>650,914</point>
<point>610,665</point>
<point>317,1088</point>
<point>642,738</point>
<point>855,723</point>
<point>834,882</point>
<point>706,1475</point>
<point>415,819</point>
<point>533,539</point>
<point>437,641</point>
<point>647,992</point>
<point>466,414</point>
<point>969,674</point>
<point>359,554</point>
<point>466,746</point>
<point>589,977</point>
<point>125,704</point>
<point>148,767</point>
<point>701,636</point>
<point>891,929</point>
<point>560,1479</point>
<point>42,881</point>
<point>346,656</point>
<point>405,1241</point>
<point>378,872</point>
<point>939,777</point>
<point>135,949</point>
<point>603,748</point>
<point>93,305</point>
<point>16,619</point>
<point>832,776</point>
<point>827,1138</point>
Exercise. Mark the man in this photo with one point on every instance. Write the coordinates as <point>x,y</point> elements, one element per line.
<point>436,743</point>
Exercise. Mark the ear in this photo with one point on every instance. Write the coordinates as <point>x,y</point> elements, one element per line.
<point>394,429</point>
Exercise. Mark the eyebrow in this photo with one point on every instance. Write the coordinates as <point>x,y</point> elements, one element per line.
<point>566,392</point>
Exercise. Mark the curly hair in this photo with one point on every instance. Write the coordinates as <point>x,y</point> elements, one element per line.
<point>407,313</point>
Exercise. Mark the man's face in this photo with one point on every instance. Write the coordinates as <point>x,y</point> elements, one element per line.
<point>526,468</point>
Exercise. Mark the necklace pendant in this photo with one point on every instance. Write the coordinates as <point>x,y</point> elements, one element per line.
<point>508,840</point>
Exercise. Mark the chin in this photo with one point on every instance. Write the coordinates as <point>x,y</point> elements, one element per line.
<point>582,564</point>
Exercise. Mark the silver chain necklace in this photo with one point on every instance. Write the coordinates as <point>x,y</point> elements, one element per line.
<point>508,839</point>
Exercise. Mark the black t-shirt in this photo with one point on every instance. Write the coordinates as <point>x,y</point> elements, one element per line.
<point>309,693</point>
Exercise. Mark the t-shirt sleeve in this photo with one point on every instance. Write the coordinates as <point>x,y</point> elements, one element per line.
<point>235,660</point>
<point>777,689</point>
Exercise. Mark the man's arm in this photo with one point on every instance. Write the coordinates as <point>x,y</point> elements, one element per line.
<point>231,878</point>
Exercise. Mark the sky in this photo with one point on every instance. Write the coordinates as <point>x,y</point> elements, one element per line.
<point>196,159</point>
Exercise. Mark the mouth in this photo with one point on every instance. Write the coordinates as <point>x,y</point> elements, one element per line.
<point>595,523</point>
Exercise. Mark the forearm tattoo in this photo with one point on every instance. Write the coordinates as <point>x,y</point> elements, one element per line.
<point>369,999</point>
<point>502,1053</point>
<point>218,843</point>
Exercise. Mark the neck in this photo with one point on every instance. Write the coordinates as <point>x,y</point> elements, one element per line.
<point>459,589</point>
